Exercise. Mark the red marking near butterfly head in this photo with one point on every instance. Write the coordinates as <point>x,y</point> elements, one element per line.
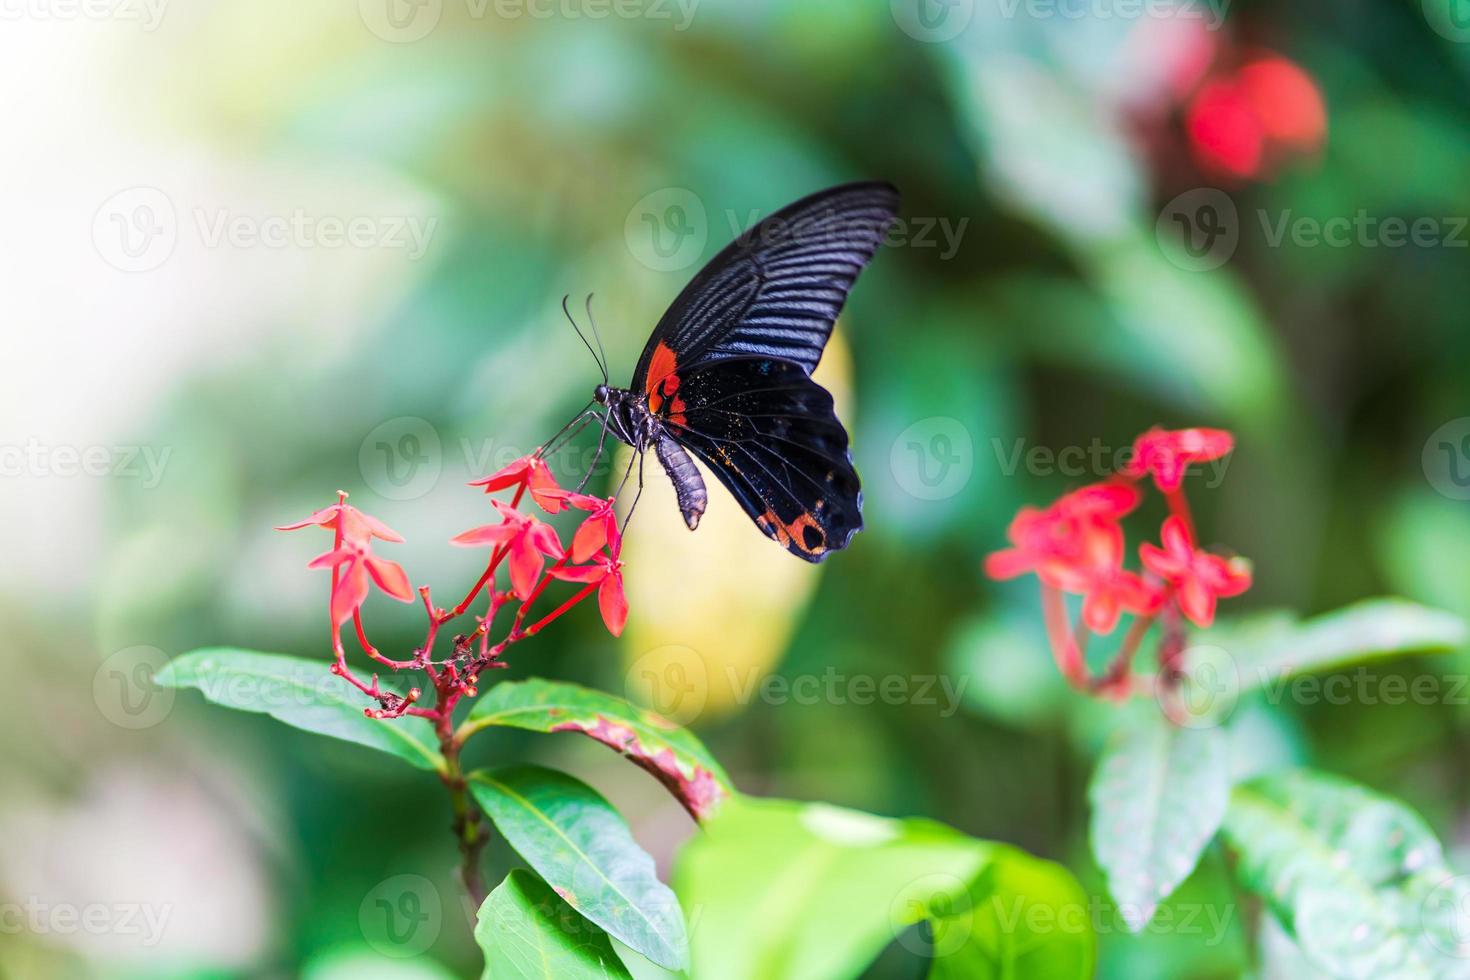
<point>662,383</point>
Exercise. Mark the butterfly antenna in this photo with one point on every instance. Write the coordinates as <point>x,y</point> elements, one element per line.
<point>597,337</point>
<point>583,337</point>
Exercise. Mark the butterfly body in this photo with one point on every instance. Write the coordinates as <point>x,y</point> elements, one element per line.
<point>726,375</point>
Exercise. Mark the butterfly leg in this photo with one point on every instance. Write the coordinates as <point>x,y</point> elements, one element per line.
<point>634,505</point>
<point>596,457</point>
<point>568,431</point>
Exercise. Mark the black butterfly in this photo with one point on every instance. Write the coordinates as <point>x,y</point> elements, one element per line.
<point>727,373</point>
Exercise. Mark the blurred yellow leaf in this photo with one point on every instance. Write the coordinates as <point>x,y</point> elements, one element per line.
<point>712,610</point>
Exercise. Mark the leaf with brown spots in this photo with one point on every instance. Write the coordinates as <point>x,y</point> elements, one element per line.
<point>672,754</point>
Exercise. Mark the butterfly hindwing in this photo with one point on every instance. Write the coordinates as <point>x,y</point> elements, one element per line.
<point>777,289</point>
<point>769,433</point>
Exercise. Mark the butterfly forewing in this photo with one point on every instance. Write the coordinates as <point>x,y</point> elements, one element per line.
<point>778,288</point>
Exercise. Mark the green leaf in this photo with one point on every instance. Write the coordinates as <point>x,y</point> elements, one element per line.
<point>672,754</point>
<point>1024,917</point>
<point>528,933</point>
<point>808,890</point>
<point>581,846</point>
<point>302,693</point>
<point>1158,796</point>
<point>1274,647</point>
<point>1357,879</point>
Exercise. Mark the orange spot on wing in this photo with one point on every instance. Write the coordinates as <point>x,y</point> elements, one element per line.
<point>794,534</point>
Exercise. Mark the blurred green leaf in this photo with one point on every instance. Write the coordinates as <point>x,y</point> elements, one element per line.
<point>1024,917</point>
<point>1357,879</point>
<point>672,754</point>
<point>302,693</point>
<point>808,890</point>
<point>1424,542</point>
<point>574,839</point>
<point>528,933</point>
<point>1158,796</point>
<point>365,963</point>
<point>1275,647</point>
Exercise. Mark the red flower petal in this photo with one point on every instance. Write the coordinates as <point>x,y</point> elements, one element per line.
<point>571,498</point>
<point>526,564</point>
<point>376,527</point>
<point>544,538</point>
<point>589,539</point>
<point>515,472</point>
<point>331,559</point>
<point>1101,610</point>
<point>1008,563</point>
<point>1111,500</point>
<point>485,534</point>
<point>1176,539</point>
<point>612,603</point>
<point>323,517</point>
<point>1196,602</point>
<point>390,577</point>
<point>581,573</point>
<point>350,593</point>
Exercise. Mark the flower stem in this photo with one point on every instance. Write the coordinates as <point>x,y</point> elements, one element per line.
<point>468,826</point>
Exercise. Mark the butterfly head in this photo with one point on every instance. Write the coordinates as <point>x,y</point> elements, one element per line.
<point>601,394</point>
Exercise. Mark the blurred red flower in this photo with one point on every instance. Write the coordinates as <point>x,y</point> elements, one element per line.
<point>1198,577</point>
<point>1167,454</point>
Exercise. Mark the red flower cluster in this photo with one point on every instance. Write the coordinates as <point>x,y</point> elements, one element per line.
<point>520,540</point>
<point>1076,545</point>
